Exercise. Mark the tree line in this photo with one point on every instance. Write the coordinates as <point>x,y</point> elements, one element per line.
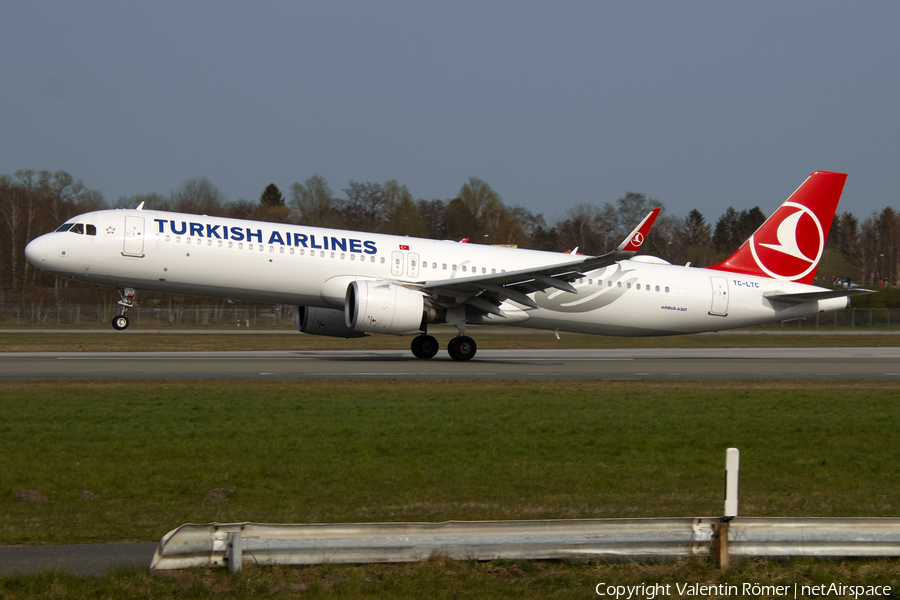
<point>34,202</point>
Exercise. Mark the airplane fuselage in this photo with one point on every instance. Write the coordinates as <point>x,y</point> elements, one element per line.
<point>312,267</point>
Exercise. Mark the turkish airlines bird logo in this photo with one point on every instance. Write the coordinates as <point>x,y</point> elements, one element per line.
<point>638,239</point>
<point>790,243</point>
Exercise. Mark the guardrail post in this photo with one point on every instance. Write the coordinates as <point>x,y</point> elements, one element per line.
<point>720,530</point>
<point>234,551</point>
<point>720,545</point>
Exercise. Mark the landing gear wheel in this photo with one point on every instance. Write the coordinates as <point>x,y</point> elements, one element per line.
<point>120,322</point>
<point>462,348</point>
<point>424,346</point>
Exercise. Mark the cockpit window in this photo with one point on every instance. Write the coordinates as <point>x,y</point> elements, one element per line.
<point>90,229</point>
<point>65,227</point>
<point>77,228</point>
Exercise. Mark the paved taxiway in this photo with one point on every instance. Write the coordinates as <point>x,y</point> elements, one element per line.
<point>660,364</point>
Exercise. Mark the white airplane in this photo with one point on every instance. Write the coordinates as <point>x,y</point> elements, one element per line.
<point>350,284</point>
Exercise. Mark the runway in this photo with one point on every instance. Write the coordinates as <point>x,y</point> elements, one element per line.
<point>650,364</point>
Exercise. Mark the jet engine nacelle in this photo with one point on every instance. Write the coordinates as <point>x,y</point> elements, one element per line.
<point>323,321</point>
<point>382,307</point>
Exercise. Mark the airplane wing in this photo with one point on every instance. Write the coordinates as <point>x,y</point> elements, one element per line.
<point>813,296</point>
<point>485,293</point>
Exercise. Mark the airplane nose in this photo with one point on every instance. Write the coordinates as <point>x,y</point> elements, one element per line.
<point>36,250</point>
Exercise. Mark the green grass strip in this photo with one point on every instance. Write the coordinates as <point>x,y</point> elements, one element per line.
<point>374,451</point>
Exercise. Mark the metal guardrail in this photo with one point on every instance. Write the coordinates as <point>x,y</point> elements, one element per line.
<point>220,545</point>
<point>814,537</point>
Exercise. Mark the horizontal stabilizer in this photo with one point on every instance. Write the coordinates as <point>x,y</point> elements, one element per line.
<point>813,296</point>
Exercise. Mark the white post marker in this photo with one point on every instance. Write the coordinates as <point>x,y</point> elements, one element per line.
<point>732,465</point>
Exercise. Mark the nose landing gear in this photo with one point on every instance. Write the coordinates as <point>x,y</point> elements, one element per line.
<point>120,321</point>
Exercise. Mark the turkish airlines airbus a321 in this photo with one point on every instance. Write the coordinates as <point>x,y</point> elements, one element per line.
<point>350,284</point>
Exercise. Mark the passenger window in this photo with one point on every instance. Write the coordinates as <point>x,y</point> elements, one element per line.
<point>667,289</point>
<point>638,286</point>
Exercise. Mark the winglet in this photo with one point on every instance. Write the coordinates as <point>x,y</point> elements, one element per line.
<point>636,238</point>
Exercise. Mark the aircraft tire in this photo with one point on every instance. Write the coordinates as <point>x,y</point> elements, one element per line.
<point>120,322</point>
<point>462,348</point>
<point>424,346</point>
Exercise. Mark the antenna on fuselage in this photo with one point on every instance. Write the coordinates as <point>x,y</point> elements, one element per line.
<point>140,206</point>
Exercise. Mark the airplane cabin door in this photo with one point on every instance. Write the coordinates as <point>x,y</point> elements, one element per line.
<point>134,236</point>
<point>719,296</point>
<point>412,264</point>
<point>397,263</point>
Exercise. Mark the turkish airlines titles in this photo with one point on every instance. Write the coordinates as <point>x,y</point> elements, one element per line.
<point>286,238</point>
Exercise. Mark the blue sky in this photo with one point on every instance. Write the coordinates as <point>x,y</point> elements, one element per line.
<point>698,104</point>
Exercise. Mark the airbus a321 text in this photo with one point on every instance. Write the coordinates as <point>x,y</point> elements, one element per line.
<point>350,284</point>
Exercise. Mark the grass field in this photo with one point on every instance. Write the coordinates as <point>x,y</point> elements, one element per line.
<point>432,451</point>
<point>440,578</point>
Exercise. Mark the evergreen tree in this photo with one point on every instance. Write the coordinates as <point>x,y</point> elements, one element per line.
<point>271,196</point>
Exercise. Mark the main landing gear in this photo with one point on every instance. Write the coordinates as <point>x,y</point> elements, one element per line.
<point>460,348</point>
<point>120,321</point>
<point>424,346</point>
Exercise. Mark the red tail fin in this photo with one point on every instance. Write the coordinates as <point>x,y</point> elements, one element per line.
<point>790,243</point>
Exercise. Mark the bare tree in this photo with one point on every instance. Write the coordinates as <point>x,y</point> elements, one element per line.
<point>362,209</point>
<point>198,196</point>
<point>313,202</point>
<point>400,215</point>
